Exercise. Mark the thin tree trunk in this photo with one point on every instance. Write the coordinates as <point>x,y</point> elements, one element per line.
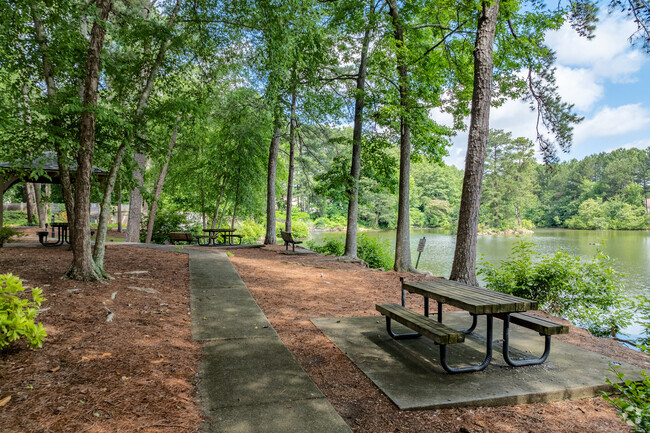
<point>234,212</point>
<point>292,145</point>
<point>355,171</point>
<point>464,266</point>
<point>119,208</point>
<point>48,77</point>
<point>29,198</point>
<point>132,233</point>
<point>47,199</point>
<point>83,266</point>
<point>402,241</point>
<point>216,210</point>
<point>40,205</point>
<point>160,182</point>
<point>225,205</point>
<point>270,237</point>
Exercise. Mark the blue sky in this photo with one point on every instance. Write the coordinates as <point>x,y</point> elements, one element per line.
<point>606,78</point>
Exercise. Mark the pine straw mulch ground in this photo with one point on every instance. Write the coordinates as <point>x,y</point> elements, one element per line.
<point>135,373</point>
<point>292,289</point>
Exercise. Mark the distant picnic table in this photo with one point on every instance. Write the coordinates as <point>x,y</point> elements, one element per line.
<point>62,230</point>
<point>477,301</point>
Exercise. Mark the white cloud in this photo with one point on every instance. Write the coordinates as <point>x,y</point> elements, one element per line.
<point>613,121</point>
<point>578,86</point>
<point>609,54</point>
<point>638,144</point>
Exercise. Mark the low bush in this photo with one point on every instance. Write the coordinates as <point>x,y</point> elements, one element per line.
<point>587,293</point>
<point>17,313</point>
<point>370,250</point>
<point>333,247</point>
<point>15,218</point>
<point>251,230</point>
<point>165,223</point>
<point>374,252</point>
<point>7,233</point>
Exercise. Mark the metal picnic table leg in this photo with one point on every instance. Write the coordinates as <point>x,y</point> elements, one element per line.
<point>400,336</point>
<point>523,362</point>
<point>465,331</point>
<point>479,367</point>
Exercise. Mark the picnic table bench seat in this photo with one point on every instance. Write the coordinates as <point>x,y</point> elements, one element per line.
<point>543,326</point>
<point>538,324</point>
<point>42,235</point>
<point>429,327</point>
<point>287,237</point>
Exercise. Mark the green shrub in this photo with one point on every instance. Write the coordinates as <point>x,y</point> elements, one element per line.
<point>299,229</point>
<point>251,230</point>
<point>7,233</point>
<point>16,218</point>
<point>165,223</point>
<point>17,314</point>
<point>333,247</point>
<point>370,250</point>
<point>589,294</point>
<point>633,403</point>
<point>374,252</point>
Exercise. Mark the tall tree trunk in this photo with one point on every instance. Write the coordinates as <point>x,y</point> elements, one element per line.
<point>355,171</point>
<point>464,266</point>
<point>222,189</point>
<point>402,241</point>
<point>292,146</point>
<point>40,205</point>
<point>119,208</point>
<point>234,212</point>
<point>270,237</point>
<point>83,266</point>
<point>160,182</point>
<point>132,233</point>
<point>104,212</point>
<point>29,198</point>
<point>50,84</point>
<point>47,200</point>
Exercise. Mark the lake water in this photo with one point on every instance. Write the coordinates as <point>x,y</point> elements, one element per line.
<point>630,249</point>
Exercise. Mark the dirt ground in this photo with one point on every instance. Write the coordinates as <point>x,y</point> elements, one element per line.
<point>135,373</point>
<point>292,289</point>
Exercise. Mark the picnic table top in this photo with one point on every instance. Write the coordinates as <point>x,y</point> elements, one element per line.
<point>218,230</point>
<point>476,300</point>
<point>59,224</point>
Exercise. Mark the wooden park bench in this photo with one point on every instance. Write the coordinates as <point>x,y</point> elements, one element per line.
<point>233,236</point>
<point>542,326</point>
<point>180,237</point>
<point>288,239</point>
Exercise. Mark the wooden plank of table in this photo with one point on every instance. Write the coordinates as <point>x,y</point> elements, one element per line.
<point>476,300</point>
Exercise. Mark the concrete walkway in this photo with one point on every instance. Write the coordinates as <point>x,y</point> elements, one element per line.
<point>248,380</point>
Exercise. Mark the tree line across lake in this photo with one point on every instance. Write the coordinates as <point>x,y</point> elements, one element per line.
<point>601,191</point>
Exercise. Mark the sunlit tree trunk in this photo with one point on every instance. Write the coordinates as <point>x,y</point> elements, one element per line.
<point>355,170</point>
<point>402,241</point>
<point>270,237</point>
<point>83,266</point>
<point>160,182</point>
<point>292,145</point>
<point>464,266</point>
<point>29,198</point>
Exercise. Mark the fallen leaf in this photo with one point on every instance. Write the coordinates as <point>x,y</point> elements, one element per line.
<point>57,368</point>
<point>104,355</point>
<point>158,361</point>
<point>5,400</point>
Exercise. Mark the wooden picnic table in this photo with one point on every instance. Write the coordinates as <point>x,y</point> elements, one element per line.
<point>62,235</point>
<point>477,301</point>
<point>213,235</point>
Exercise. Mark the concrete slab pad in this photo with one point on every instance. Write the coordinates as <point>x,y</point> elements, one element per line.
<point>304,416</point>
<point>409,372</point>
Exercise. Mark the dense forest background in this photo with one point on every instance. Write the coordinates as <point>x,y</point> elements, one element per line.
<point>602,191</point>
